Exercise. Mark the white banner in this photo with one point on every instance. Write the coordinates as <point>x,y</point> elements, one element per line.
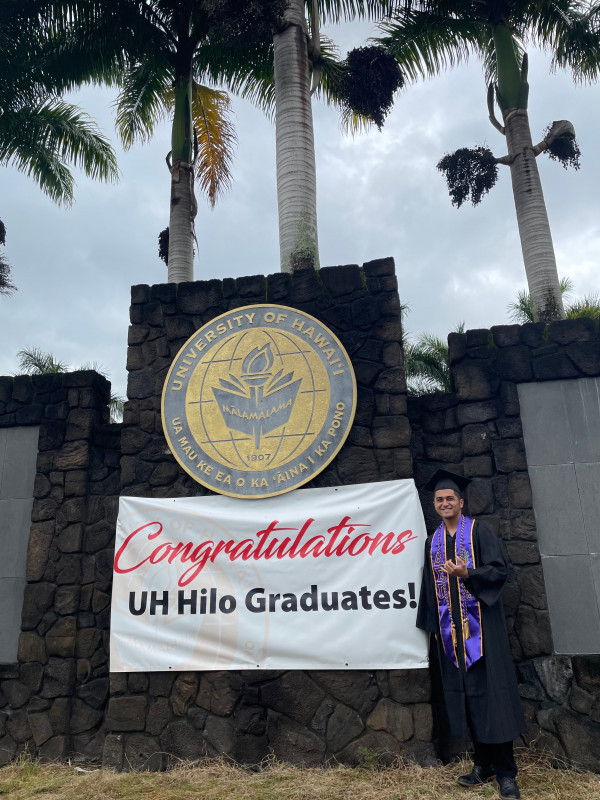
<point>313,579</point>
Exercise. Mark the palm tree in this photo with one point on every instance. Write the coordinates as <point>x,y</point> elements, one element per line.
<point>283,76</point>
<point>156,52</point>
<point>40,134</point>
<point>427,35</point>
<point>159,52</point>
<point>34,361</point>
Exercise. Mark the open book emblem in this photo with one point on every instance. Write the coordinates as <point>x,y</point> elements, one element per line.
<point>259,401</point>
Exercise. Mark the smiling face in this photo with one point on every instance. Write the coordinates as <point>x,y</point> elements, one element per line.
<point>448,504</point>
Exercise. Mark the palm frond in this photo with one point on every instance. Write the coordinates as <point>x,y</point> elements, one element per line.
<point>332,71</point>
<point>347,10</point>
<point>426,364</point>
<point>39,133</point>
<point>144,100</point>
<point>39,162</point>
<point>116,406</point>
<point>522,310</point>
<point>216,140</point>
<point>258,89</point>
<point>425,44</point>
<point>570,31</point>
<point>566,287</point>
<point>68,48</point>
<point>588,306</point>
<point>243,71</point>
<point>428,37</point>
<point>41,140</point>
<point>353,123</point>
<point>34,361</point>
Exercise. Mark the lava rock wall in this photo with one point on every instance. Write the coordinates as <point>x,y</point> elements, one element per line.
<point>59,699</point>
<point>301,717</point>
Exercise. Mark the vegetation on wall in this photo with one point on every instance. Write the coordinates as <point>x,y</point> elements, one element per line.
<point>426,357</point>
<point>522,310</point>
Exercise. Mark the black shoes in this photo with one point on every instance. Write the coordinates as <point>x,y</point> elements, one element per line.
<point>478,776</point>
<point>508,789</point>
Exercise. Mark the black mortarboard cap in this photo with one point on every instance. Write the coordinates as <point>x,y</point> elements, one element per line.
<point>447,480</point>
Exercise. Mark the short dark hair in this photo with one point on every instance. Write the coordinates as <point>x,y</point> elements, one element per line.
<point>457,492</point>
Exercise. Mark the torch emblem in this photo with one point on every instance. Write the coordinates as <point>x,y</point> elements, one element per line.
<point>258,401</point>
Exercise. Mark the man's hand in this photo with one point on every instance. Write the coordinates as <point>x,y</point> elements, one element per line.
<point>459,570</point>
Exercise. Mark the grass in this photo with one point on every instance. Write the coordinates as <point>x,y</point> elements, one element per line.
<point>220,780</point>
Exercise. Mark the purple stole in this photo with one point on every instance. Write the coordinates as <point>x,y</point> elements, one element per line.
<point>470,611</point>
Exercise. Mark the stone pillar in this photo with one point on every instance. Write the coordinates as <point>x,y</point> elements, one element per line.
<point>303,717</point>
<point>360,306</point>
<point>52,699</point>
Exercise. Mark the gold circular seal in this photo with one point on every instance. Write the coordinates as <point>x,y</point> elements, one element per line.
<point>258,401</point>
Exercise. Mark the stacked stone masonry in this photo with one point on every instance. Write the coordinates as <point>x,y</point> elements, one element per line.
<point>52,701</point>
<point>144,720</point>
<point>360,306</point>
<point>304,718</point>
<point>60,700</point>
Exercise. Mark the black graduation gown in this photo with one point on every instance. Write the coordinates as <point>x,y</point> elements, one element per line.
<point>483,700</point>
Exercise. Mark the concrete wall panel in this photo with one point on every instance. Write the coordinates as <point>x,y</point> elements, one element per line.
<point>19,447</point>
<point>3,440</point>
<point>20,457</point>
<point>15,516</point>
<point>11,602</point>
<point>588,484</point>
<point>561,426</point>
<point>582,402</point>
<point>573,604</point>
<point>545,427</point>
<point>595,567</point>
<point>558,512</point>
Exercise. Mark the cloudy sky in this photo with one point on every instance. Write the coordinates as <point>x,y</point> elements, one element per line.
<point>379,195</point>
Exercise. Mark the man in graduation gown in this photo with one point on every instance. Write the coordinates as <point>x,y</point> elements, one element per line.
<point>466,567</point>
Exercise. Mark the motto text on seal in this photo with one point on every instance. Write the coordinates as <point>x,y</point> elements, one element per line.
<point>258,401</point>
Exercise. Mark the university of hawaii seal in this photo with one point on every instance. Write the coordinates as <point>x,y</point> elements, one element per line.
<point>258,401</point>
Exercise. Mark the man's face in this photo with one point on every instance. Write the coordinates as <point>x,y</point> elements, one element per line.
<point>447,503</point>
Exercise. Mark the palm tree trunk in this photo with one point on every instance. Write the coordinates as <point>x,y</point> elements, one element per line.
<point>295,151</point>
<point>183,203</point>
<point>532,218</point>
